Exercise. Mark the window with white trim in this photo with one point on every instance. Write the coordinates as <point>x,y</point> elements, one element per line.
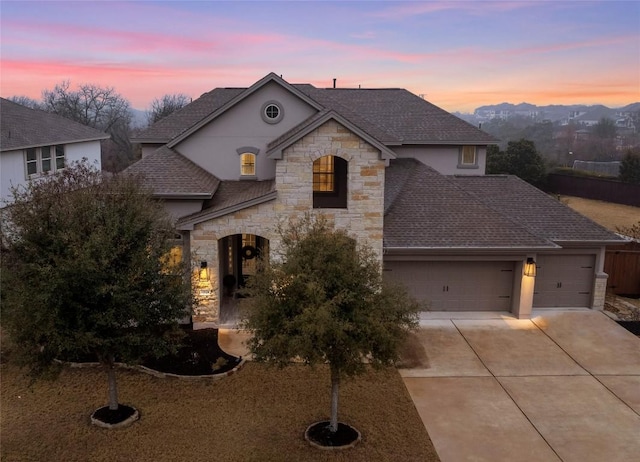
<point>44,159</point>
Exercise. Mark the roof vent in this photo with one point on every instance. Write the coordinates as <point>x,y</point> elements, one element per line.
<point>334,83</point>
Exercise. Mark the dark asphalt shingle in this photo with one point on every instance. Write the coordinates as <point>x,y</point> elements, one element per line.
<point>22,127</point>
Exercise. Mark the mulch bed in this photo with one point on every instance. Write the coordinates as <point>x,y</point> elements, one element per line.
<point>321,434</point>
<point>631,326</point>
<point>199,355</point>
<point>106,415</point>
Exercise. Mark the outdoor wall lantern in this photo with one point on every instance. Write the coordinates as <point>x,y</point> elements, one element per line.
<point>204,271</point>
<point>530,267</point>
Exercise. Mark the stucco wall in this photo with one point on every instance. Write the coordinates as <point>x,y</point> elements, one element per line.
<point>363,217</point>
<point>214,146</point>
<point>444,159</point>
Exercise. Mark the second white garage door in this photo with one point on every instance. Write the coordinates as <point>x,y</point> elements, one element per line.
<point>456,286</point>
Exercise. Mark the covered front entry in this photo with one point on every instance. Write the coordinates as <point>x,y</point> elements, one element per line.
<point>457,285</point>
<point>564,281</point>
<point>238,262</point>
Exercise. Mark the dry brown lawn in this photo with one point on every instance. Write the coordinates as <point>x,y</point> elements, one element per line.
<point>611,216</point>
<point>258,414</point>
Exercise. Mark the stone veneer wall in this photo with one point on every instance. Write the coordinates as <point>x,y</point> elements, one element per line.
<point>363,217</point>
<point>599,291</point>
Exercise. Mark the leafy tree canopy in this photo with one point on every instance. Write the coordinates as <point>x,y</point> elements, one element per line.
<point>84,270</point>
<point>630,167</point>
<point>520,158</point>
<point>325,302</point>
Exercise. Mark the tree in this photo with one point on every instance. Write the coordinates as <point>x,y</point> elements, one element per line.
<point>98,107</point>
<point>25,101</point>
<point>325,302</point>
<point>521,159</point>
<point>168,104</point>
<point>630,167</point>
<point>85,272</point>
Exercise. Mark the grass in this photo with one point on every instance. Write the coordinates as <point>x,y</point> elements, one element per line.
<point>257,414</point>
<point>607,214</point>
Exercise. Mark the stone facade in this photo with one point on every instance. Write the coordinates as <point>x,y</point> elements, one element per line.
<point>363,217</point>
<point>599,291</point>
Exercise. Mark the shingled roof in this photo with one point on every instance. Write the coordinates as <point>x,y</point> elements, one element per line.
<point>540,213</point>
<point>230,197</point>
<point>427,210</point>
<point>393,116</point>
<point>424,209</point>
<point>170,174</point>
<point>22,127</point>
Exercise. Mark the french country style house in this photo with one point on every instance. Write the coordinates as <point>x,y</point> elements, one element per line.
<point>398,173</point>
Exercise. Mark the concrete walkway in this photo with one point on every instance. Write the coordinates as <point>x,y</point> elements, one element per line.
<point>563,386</point>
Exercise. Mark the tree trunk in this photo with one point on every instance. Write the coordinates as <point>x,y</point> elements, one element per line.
<point>113,386</point>
<point>335,388</point>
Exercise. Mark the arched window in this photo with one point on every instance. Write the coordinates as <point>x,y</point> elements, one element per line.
<point>247,164</point>
<point>248,161</point>
<point>330,182</point>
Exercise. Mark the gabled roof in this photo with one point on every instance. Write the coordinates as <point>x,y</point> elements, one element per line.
<point>275,148</point>
<point>22,127</point>
<point>171,175</point>
<point>177,122</point>
<point>427,210</point>
<point>238,98</point>
<point>393,116</point>
<point>538,212</point>
<point>230,197</point>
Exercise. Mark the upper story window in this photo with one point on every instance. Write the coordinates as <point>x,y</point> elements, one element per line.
<point>247,161</point>
<point>272,112</point>
<point>247,164</point>
<point>468,157</point>
<point>44,159</point>
<point>330,182</point>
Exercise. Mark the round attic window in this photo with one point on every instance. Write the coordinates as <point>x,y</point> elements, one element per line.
<point>272,112</point>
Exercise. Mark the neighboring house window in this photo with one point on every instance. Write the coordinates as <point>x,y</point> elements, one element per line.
<point>468,157</point>
<point>44,159</point>
<point>272,112</point>
<point>248,161</point>
<point>330,182</point>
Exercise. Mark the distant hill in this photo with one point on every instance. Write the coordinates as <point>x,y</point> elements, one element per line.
<point>553,112</point>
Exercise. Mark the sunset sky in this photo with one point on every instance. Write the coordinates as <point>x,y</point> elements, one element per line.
<point>459,55</point>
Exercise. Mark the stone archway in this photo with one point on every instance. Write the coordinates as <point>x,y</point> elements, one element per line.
<point>237,255</point>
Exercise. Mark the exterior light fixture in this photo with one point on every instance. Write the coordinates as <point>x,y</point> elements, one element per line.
<point>530,267</point>
<point>204,271</point>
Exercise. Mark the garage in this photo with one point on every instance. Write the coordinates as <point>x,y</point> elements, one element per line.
<point>564,281</point>
<point>456,285</point>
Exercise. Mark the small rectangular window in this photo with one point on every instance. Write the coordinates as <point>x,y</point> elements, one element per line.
<point>247,164</point>
<point>46,158</point>
<point>59,157</point>
<point>32,161</point>
<point>468,156</point>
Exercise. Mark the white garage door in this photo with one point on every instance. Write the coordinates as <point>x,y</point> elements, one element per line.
<point>456,286</point>
<point>564,281</point>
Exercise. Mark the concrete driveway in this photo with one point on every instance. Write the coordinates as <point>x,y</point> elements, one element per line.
<point>563,386</point>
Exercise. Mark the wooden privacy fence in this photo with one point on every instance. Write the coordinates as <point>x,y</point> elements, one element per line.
<point>622,264</point>
<point>595,188</point>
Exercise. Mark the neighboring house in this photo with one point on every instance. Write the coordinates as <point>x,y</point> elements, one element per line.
<point>35,143</point>
<point>398,173</point>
